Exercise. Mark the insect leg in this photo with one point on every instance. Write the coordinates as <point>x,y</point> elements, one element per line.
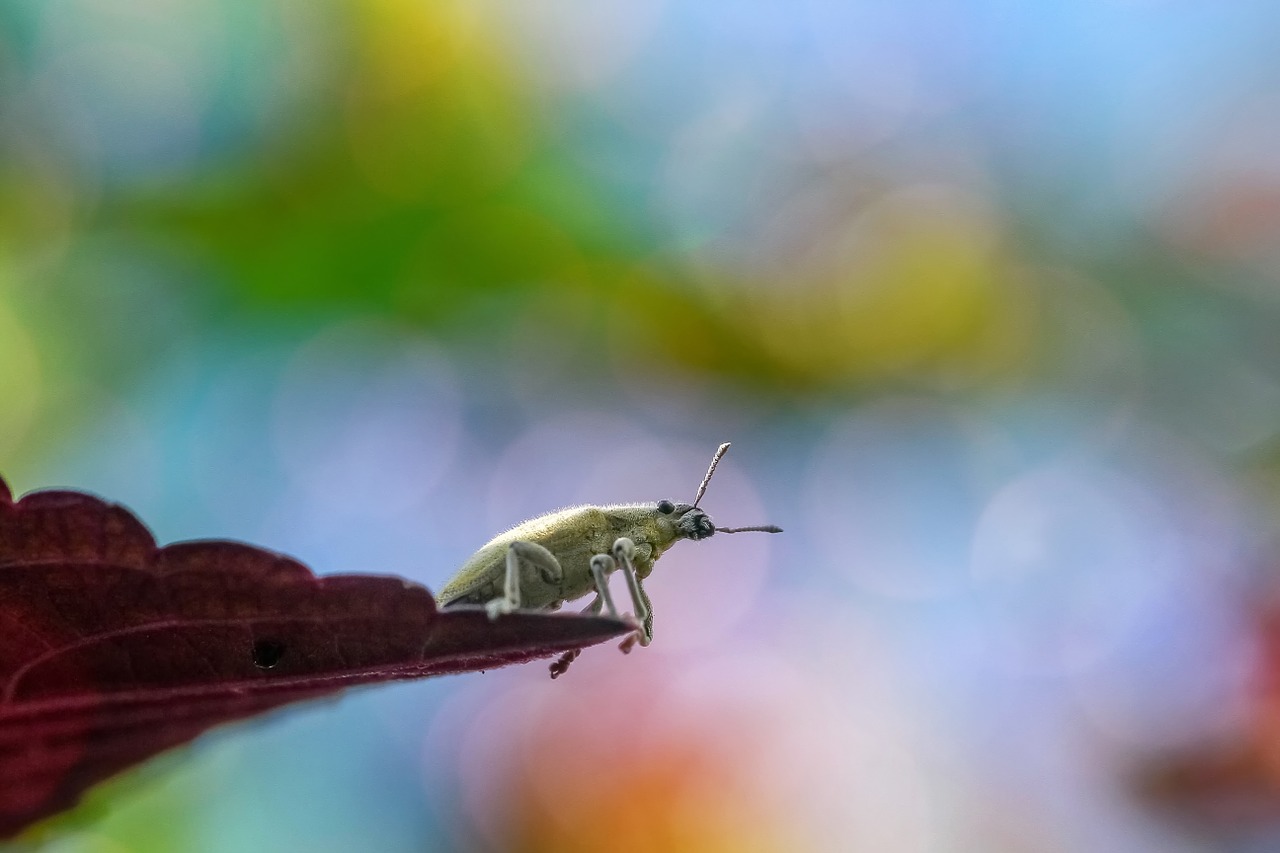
<point>624,551</point>
<point>561,666</point>
<point>644,635</point>
<point>523,552</point>
<point>562,663</point>
<point>601,566</point>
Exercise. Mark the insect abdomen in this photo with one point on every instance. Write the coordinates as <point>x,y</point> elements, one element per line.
<point>573,535</point>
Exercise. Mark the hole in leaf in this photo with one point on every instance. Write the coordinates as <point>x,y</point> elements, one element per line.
<point>267,653</point>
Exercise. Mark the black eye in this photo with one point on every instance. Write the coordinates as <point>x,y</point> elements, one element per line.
<point>666,507</point>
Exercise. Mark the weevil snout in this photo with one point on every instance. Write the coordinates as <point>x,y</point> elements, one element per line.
<point>696,524</point>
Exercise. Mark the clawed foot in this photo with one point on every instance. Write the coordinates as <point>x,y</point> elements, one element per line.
<point>636,635</point>
<point>499,607</point>
<point>562,663</point>
<point>630,642</point>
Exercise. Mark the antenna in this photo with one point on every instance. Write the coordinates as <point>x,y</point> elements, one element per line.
<point>702,490</point>
<point>715,460</point>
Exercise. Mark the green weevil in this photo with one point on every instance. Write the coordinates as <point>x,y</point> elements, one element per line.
<point>546,561</point>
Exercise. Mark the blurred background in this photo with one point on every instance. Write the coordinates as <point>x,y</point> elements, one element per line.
<point>984,293</point>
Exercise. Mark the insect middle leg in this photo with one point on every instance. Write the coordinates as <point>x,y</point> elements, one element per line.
<point>521,553</point>
<point>602,565</point>
<point>562,663</point>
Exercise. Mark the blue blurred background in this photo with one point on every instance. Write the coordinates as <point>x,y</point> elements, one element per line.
<point>984,293</point>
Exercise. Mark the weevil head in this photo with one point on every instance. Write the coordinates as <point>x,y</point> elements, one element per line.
<point>685,521</point>
<point>674,521</point>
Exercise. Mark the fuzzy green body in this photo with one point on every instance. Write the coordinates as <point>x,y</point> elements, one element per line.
<point>574,536</point>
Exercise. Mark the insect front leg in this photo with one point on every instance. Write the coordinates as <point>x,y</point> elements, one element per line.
<point>624,551</point>
<point>518,553</point>
<point>643,636</point>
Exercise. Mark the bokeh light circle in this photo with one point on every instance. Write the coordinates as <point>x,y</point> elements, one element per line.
<point>367,417</point>
<point>893,494</point>
<point>1066,558</point>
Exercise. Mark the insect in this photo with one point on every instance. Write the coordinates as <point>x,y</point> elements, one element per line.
<point>563,555</point>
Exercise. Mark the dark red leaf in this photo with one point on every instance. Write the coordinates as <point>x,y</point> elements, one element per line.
<point>1232,781</point>
<point>112,650</point>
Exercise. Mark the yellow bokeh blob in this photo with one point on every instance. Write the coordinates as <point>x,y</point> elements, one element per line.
<point>839,292</point>
<point>910,281</point>
<point>433,104</point>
